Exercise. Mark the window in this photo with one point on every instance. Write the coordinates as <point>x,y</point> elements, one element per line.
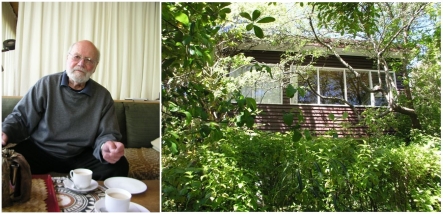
<point>356,95</point>
<point>331,85</point>
<point>260,85</point>
<point>341,83</point>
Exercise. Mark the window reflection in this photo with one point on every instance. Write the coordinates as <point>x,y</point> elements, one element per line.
<point>356,93</point>
<point>331,85</point>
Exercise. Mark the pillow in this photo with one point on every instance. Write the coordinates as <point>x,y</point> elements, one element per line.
<point>156,144</point>
<point>142,123</point>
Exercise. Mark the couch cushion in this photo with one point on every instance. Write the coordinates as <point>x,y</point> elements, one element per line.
<point>120,112</point>
<point>142,123</point>
<point>8,104</point>
<point>144,163</point>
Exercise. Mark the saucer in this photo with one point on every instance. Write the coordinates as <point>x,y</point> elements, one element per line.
<point>133,207</point>
<point>131,185</point>
<point>70,185</point>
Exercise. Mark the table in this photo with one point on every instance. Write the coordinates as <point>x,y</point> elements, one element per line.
<point>64,199</point>
<point>71,201</point>
<point>150,198</point>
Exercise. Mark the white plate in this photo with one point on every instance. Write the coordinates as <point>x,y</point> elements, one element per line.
<point>132,185</point>
<point>133,207</point>
<point>70,185</point>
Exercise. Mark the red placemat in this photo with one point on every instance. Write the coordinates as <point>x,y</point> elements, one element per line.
<point>51,201</point>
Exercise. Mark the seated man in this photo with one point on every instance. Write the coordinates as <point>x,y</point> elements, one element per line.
<point>67,121</point>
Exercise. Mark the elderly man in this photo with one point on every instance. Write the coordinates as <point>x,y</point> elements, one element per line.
<point>67,121</point>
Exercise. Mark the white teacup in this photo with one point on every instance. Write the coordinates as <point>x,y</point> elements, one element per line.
<point>81,177</point>
<point>117,200</point>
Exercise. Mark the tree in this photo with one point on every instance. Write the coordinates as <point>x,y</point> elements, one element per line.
<point>384,27</point>
<point>196,98</point>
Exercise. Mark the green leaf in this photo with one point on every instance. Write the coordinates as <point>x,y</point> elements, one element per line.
<point>258,32</point>
<point>290,91</point>
<point>296,136</point>
<point>183,18</point>
<point>331,116</point>
<point>308,135</point>
<point>301,91</point>
<point>266,20</point>
<point>345,115</point>
<point>225,10</point>
<point>300,181</point>
<point>173,148</point>
<point>288,118</point>
<point>173,107</point>
<point>268,69</point>
<point>187,40</point>
<point>188,116</point>
<point>335,135</point>
<point>245,15</point>
<point>251,103</point>
<point>255,15</point>
<point>250,121</point>
<point>249,27</point>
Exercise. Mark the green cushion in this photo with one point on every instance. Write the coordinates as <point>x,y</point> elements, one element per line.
<point>142,124</point>
<point>120,112</point>
<point>8,105</point>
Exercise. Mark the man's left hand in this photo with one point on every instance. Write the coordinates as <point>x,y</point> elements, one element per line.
<point>112,151</point>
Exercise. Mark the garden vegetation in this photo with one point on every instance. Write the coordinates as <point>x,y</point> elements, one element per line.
<point>214,158</point>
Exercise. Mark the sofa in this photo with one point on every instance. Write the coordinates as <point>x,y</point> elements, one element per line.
<point>139,123</point>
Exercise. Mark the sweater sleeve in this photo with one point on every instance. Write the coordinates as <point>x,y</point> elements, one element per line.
<point>25,116</point>
<point>108,129</point>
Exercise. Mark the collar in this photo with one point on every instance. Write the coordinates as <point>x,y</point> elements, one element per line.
<point>65,82</point>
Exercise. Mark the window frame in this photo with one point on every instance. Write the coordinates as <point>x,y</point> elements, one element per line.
<point>259,100</point>
<point>370,72</point>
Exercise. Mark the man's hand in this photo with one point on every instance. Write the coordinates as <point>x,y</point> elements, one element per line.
<point>4,139</point>
<point>112,151</point>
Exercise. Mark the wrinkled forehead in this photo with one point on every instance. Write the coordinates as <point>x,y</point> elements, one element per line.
<point>85,49</point>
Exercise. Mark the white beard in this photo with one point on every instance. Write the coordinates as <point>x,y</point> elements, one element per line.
<point>78,76</point>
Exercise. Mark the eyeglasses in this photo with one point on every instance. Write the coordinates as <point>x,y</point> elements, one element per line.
<point>77,58</point>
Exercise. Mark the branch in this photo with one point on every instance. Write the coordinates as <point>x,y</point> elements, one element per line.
<point>349,67</point>
<point>409,23</point>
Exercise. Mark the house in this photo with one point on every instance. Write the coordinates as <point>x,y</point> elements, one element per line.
<point>334,79</point>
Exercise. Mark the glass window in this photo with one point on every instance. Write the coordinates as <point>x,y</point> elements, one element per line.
<point>331,85</point>
<point>335,83</point>
<point>309,96</point>
<point>380,100</point>
<point>356,95</point>
<point>260,85</point>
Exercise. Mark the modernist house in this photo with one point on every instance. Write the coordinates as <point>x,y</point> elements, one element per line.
<point>329,77</point>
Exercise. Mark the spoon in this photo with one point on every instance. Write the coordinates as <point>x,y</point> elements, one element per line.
<point>75,187</point>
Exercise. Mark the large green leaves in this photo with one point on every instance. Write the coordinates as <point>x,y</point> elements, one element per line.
<point>255,18</point>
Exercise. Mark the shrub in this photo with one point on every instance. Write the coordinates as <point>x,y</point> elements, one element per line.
<point>269,172</point>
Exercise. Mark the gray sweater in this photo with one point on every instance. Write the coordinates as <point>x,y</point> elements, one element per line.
<point>61,121</point>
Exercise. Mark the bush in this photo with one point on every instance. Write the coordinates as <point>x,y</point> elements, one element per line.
<point>269,172</point>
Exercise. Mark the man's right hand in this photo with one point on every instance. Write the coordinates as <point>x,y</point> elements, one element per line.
<point>4,139</point>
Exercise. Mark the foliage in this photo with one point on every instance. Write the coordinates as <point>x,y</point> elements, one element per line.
<point>269,172</point>
<point>196,98</point>
<point>207,180</point>
<point>214,160</point>
<point>377,126</point>
<point>385,29</point>
<point>347,16</point>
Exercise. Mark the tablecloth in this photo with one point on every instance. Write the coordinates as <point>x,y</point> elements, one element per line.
<point>71,201</point>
